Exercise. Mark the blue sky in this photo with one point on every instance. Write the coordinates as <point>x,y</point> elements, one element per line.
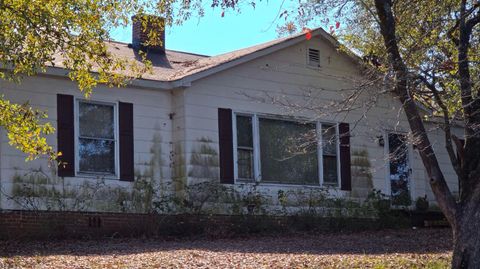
<point>214,34</point>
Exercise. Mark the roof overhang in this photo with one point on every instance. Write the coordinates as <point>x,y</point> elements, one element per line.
<point>186,81</point>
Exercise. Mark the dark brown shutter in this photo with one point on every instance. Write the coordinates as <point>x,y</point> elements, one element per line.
<point>125,127</point>
<point>345,162</point>
<point>225,135</point>
<point>66,135</point>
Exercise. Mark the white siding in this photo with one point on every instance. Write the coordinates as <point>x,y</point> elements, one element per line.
<point>173,128</point>
<point>285,74</point>
<point>152,129</point>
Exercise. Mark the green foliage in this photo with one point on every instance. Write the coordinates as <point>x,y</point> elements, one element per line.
<point>25,129</point>
<point>37,190</point>
<point>425,32</point>
<point>387,217</point>
<point>379,201</point>
<point>70,34</point>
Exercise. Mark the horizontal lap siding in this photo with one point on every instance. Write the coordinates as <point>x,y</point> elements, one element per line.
<point>151,111</point>
<point>234,88</point>
<point>437,138</point>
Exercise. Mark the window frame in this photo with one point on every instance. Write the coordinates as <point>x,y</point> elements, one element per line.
<point>256,149</point>
<point>411,157</point>
<point>79,173</point>
<point>337,153</point>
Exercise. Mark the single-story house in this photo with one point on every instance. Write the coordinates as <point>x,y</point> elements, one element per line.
<point>255,121</point>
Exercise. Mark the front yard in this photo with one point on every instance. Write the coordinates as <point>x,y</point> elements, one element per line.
<point>422,248</point>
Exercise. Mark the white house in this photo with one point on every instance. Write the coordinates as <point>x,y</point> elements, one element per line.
<point>235,119</point>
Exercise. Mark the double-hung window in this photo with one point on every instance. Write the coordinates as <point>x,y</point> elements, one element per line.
<point>97,142</point>
<point>284,151</point>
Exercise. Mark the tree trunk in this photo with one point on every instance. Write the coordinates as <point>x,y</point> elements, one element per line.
<point>466,238</point>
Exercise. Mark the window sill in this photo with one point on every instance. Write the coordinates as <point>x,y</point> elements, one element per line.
<point>97,176</point>
<point>325,186</point>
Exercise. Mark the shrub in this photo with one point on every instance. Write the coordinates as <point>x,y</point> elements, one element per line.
<point>421,204</point>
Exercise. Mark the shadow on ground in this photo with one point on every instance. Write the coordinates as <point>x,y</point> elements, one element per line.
<point>421,241</point>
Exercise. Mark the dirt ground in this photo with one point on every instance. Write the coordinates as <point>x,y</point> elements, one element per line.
<point>421,248</point>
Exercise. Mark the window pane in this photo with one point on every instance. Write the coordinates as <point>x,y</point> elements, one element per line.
<point>96,156</point>
<point>330,170</point>
<point>329,140</point>
<point>96,120</point>
<point>245,164</point>
<point>288,152</point>
<point>244,131</point>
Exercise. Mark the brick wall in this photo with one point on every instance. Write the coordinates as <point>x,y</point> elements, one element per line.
<point>48,224</point>
<point>44,224</point>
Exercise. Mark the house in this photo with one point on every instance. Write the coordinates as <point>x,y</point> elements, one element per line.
<point>252,121</point>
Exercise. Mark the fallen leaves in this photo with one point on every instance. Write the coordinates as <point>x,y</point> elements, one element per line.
<point>384,249</point>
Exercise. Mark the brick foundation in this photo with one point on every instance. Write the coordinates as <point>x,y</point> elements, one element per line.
<point>45,224</point>
<point>50,224</point>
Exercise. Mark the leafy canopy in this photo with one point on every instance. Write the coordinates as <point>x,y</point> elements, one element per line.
<point>39,34</point>
<point>426,33</point>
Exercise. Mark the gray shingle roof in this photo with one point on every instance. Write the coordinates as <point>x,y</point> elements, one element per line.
<point>177,67</point>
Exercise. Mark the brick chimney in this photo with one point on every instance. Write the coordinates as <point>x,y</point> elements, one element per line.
<point>155,25</point>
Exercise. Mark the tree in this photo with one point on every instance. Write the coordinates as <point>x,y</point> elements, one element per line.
<point>41,34</point>
<point>461,19</point>
<point>428,52</point>
<point>428,47</point>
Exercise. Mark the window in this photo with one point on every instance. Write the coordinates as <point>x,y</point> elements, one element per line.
<point>245,147</point>
<point>399,166</point>
<point>280,151</point>
<point>282,155</point>
<point>96,138</point>
<point>313,57</point>
<point>329,154</point>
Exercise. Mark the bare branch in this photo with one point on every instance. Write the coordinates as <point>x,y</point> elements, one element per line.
<point>446,124</point>
<point>401,81</point>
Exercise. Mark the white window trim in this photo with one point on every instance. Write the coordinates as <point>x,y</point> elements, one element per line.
<point>79,173</point>
<point>256,149</point>
<point>320,152</point>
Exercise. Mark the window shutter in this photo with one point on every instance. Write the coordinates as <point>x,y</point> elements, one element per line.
<point>125,127</point>
<point>66,135</point>
<point>225,135</point>
<point>345,162</point>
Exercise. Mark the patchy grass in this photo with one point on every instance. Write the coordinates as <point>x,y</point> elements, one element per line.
<point>384,249</point>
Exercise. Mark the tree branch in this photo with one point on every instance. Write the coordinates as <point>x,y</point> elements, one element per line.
<point>446,126</point>
<point>439,186</point>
